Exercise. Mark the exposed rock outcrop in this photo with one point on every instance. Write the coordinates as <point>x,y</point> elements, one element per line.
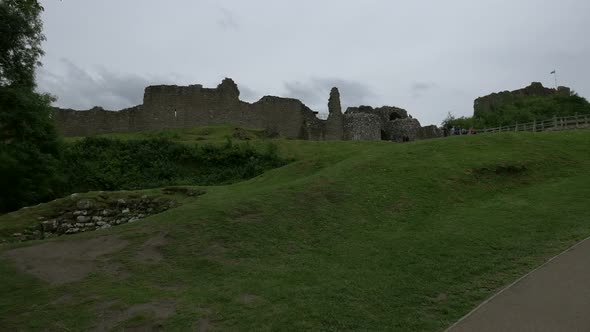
<point>89,215</point>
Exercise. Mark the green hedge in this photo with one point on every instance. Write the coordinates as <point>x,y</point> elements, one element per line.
<point>109,164</point>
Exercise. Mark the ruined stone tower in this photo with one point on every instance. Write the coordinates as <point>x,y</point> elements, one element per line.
<point>334,125</point>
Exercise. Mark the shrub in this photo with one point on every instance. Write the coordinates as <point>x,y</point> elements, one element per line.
<point>109,164</point>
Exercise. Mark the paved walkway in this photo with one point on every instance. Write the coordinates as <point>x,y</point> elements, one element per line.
<point>554,297</point>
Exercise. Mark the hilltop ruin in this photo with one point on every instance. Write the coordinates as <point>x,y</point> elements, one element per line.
<point>491,103</point>
<point>171,106</point>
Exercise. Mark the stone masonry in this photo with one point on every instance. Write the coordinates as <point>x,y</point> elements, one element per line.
<point>492,102</point>
<point>171,106</point>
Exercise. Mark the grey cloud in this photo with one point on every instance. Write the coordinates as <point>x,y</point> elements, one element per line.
<point>77,88</point>
<point>395,47</point>
<point>418,89</point>
<point>228,20</point>
<point>247,94</point>
<point>315,92</point>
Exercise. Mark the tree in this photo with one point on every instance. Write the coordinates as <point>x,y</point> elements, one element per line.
<point>21,35</point>
<point>29,145</point>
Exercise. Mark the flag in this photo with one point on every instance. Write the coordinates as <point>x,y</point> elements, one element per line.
<point>553,72</point>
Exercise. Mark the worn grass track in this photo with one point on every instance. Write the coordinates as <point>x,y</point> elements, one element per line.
<point>350,236</point>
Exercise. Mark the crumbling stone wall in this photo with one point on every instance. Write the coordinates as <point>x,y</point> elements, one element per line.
<point>395,124</point>
<point>492,102</point>
<point>362,127</point>
<point>172,106</point>
<point>429,132</point>
<point>94,121</point>
<point>335,122</point>
<point>403,130</point>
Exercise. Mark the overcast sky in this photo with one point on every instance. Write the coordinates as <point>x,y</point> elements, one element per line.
<point>427,56</point>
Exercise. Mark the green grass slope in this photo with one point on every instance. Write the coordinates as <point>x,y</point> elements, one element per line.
<point>351,236</point>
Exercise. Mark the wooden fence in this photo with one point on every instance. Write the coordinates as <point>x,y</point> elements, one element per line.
<point>556,123</point>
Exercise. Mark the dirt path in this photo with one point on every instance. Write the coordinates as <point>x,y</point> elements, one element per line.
<point>554,297</point>
<point>60,262</point>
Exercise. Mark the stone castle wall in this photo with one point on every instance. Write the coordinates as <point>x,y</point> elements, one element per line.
<point>492,102</point>
<point>171,106</point>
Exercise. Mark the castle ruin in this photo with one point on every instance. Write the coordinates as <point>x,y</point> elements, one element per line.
<point>492,102</point>
<point>171,106</point>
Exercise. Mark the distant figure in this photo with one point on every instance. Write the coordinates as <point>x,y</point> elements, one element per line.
<point>472,131</point>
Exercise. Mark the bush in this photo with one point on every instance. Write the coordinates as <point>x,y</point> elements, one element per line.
<point>109,164</point>
<point>523,109</point>
<point>29,149</point>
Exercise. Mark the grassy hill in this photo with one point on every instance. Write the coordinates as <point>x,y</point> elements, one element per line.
<point>349,236</point>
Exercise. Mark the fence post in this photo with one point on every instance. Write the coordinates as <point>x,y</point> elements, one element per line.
<point>562,123</point>
<point>534,125</point>
<point>554,121</point>
<point>516,127</point>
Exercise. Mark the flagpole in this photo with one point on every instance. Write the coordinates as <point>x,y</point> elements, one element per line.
<point>554,72</point>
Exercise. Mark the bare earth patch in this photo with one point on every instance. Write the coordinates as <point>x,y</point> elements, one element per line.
<point>156,310</point>
<point>149,252</point>
<point>64,262</point>
<point>248,298</point>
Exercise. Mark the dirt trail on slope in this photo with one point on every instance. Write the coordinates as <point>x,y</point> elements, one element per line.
<point>67,261</point>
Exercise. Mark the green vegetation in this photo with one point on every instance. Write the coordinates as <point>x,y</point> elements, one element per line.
<point>350,236</point>
<point>112,164</point>
<point>29,146</point>
<point>36,169</point>
<point>523,109</point>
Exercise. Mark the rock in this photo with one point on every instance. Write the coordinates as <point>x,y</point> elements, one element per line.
<point>83,219</point>
<point>121,201</point>
<point>17,234</point>
<point>101,223</point>
<point>74,195</point>
<point>85,204</point>
<point>106,212</point>
<point>105,226</point>
<point>97,218</point>
<point>126,210</point>
<point>49,225</point>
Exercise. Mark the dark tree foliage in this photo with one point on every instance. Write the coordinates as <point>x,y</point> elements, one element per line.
<point>29,149</point>
<point>29,146</point>
<point>21,34</point>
